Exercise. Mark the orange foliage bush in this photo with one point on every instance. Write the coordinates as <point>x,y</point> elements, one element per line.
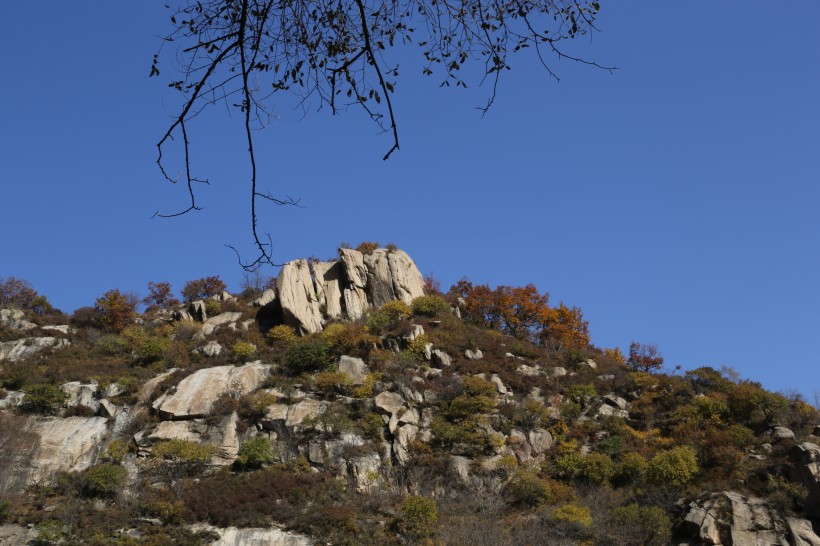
<point>116,310</point>
<point>643,357</point>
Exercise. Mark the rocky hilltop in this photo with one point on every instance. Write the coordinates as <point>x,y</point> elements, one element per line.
<point>350,404</point>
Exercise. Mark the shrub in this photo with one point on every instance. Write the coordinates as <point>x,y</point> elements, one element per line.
<point>525,488</point>
<point>332,382</point>
<point>204,288</point>
<point>564,328</point>
<point>86,317</point>
<point>349,339</point>
<point>212,307</point>
<point>186,458</point>
<point>282,335</point>
<point>419,517</point>
<point>388,316</point>
<point>631,468</point>
<point>477,386</point>
<point>430,306</point>
<point>255,453</point>
<point>19,294</point>
<point>674,467</point>
<point>254,406</point>
<point>367,247</point>
<point>242,350</point>
<point>5,509</point>
<point>160,295</point>
<point>582,394</point>
<point>596,468</point>
<point>636,525</point>
<point>116,310</point>
<point>531,414</point>
<point>43,399</point>
<point>572,514</point>
<point>104,480</point>
<point>644,357</point>
<point>308,357</point>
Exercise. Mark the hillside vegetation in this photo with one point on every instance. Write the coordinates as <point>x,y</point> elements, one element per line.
<point>475,416</point>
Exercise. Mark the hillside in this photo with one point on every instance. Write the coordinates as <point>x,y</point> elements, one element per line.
<point>353,402</point>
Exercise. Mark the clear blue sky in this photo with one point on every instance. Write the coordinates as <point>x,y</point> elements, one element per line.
<point>676,201</point>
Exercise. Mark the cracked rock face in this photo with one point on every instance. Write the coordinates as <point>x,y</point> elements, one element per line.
<point>309,294</point>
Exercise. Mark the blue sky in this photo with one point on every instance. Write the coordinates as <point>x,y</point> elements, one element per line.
<point>675,202</point>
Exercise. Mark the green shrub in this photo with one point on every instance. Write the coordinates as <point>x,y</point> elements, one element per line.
<point>430,306</point>
<point>307,357</point>
<point>674,467</point>
<point>255,453</point>
<point>582,394</point>
<point>254,406</point>
<point>596,468</point>
<point>242,350</point>
<point>49,531</point>
<point>525,488</point>
<point>185,457</point>
<point>477,386</point>
<point>636,525</point>
<point>419,517</point>
<point>531,414</point>
<point>104,480</point>
<point>43,399</point>
<point>5,509</point>
<point>631,468</point>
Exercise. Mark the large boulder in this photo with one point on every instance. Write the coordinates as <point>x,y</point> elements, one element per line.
<point>298,299</point>
<point>21,349</point>
<point>379,279</point>
<point>222,436</point>
<point>408,282</point>
<point>268,536</point>
<point>66,445</point>
<point>806,471</point>
<point>196,393</point>
<point>14,319</point>
<point>328,278</point>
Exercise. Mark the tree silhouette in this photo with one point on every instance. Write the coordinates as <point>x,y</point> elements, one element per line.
<point>332,53</point>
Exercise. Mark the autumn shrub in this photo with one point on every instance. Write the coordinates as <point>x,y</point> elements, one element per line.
<point>104,480</point>
<point>184,457</point>
<point>160,296</point>
<point>349,339</point>
<point>367,247</point>
<point>241,351</point>
<point>643,357</point>
<point>43,399</point>
<point>203,288</point>
<point>116,310</point>
<point>255,453</point>
<point>19,294</point>
<point>418,517</point>
<point>564,328</point>
<point>333,382</point>
<point>478,386</point>
<point>365,390</point>
<point>283,335</point>
<point>388,316</point>
<point>572,514</point>
<point>310,356</point>
<point>674,467</point>
<point>596,468</point>
<point>255,405</point>
<point>86,317</point>
<point>430,306</point>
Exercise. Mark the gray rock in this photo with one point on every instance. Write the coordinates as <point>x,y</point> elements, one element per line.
<point>802,532</point>
<point>389,402</point>
<point>66,445</point>
<point>196,393</point>
<point>355,303</point>
<point>408,282</point>
<point>151,385</point>
<point>474,355</point>
<point>297,295</point>
<point>268,536</point>
<point>460,467</point>
<point>328,280</point>
<point>732,518</point>
<point>15,535</point>
<point>81,394</point>
<point>64,329</point>
<point>559,371</point>
<point>108,409</point>
<point>292,417</point>
<point>354,268</point>
<point>379,279</point>
<point>530,371</point>
<point>416,331</point>
<point>211,325</point>
<point>615,401</point>
<point>589,363</point>
<point>15,319</point>
<point>499,385</point>
<point>267,297</point>
<point>782,433</point>
<point>540,441</point>
<point>805,470</point>
<point>196,310</point>
<point>21,349</point>
<point>211,349</point>
<point>607,410</point>
<point>222,436</point>
<point>12,399</point>
<point>440,359</point>
<point>354,367</point>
